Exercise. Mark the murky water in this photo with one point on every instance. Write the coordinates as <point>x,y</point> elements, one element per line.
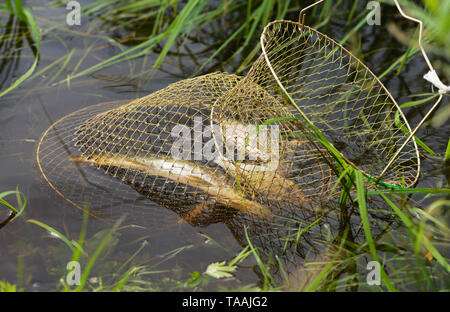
<point>29,110</point>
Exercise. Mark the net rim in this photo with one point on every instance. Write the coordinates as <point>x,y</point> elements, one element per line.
<point>404,120</point>
<point>52,127</point>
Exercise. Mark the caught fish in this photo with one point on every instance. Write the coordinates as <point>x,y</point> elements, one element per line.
<point>262,179</point>
<point>212,183</point>
<point>263,175</point>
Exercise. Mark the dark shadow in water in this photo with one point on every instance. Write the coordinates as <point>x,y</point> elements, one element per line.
<point>11,47</point>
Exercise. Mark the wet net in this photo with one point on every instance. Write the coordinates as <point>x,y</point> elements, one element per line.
<point>318,90</point>
<point>163,147</point>
<point>239,150</point>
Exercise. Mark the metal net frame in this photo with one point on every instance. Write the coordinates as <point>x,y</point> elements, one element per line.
<point>309,78</point>
<point>132,145</point>
<point>269,167</point>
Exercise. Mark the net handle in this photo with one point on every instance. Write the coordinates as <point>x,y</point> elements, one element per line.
<point>301,16</point>
<point>431,76</point>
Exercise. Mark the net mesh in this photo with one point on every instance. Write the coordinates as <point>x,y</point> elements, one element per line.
<point>238,150</point>
<point>305,75</point>
<point>150,145</point>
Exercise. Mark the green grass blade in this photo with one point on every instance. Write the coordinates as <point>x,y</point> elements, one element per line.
<point>410,191</point>
<point>30,21</point>
<point>8,205</point>
<point>54,233</point>
<point>20,203</point>
<point>436,254</point>
<point>366,225</point>
<point>178,26</point>
<point>447,152</point>
<point>9,6</point>
<point>267,276</point>
<point>97,253</point>
<point>120,284</point>
<point>82,236</point>
<point>20,11</point>
<point>144,243</point>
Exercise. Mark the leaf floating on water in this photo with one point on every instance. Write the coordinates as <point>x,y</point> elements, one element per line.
<point>220,270</point>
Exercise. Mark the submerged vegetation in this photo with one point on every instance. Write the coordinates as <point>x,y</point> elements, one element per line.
<point>404,229</point>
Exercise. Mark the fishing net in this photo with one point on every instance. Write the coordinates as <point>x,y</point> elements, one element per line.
<point>136,147</point>
<point>250,150</point>
<point>305,76</point>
